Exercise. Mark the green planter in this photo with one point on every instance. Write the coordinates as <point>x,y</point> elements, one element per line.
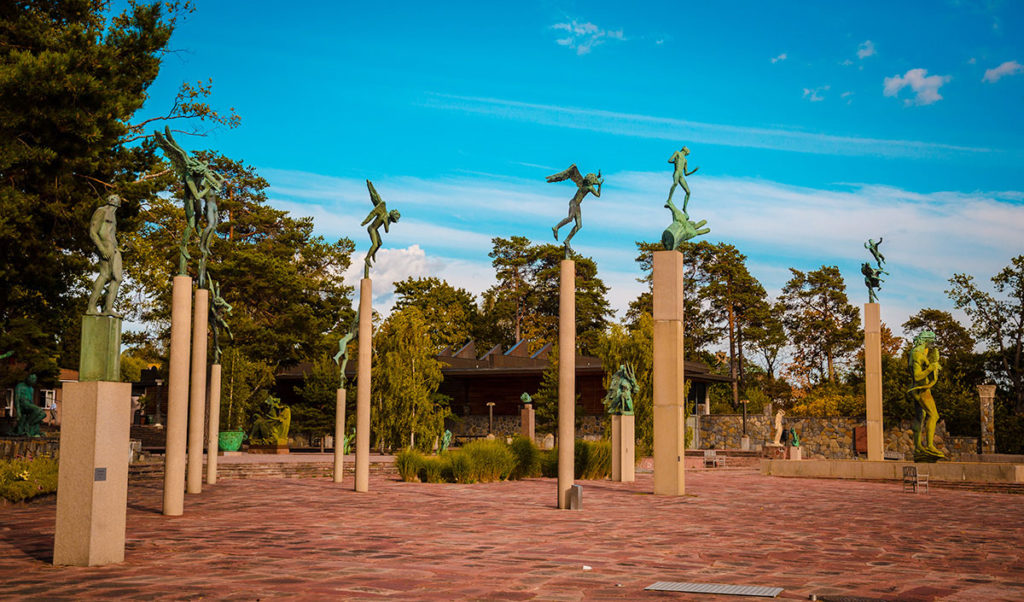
<point>230,440</point>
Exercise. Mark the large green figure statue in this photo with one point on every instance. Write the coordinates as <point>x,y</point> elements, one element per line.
<point>924,365</point>
<point>584,184</point>
<point>619,399</point>
<point>679,175</point>
<point>272,429</point>
<point>201,185</point>
<point>378,216</point>
<point>103,232</point>
<point>681,229</point>
<point>30,416</point>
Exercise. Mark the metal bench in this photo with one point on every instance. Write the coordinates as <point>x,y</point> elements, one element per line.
<point>912,479</point>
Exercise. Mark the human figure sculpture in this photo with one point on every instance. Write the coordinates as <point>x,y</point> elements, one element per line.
<point>872,280</point>
<point>525,398</point>
<point>680,173</point>
<point>794,440</point>
<point>272,429</point>
<point>30,416</point>
<point>619,399</point>
<point>341,357</point>
<point>924,365</point>
<point>378,216</point>
<point>778,427</point>
<point>103,232</point>
<point>212,215</point>
<point>682,228</point>
<point>201,185</point>
<point>219,308</point>
<point>872,246</point>
<point>584,184</point>
<point>446,440</point>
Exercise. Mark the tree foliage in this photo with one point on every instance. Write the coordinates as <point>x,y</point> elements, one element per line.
<point>822,325</point>
<point>451,313</point>
<point>633,345</point>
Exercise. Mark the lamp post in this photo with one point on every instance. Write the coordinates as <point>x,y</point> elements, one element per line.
<point>745,440</point>
<point>490,417</point>
<point>159,394</point>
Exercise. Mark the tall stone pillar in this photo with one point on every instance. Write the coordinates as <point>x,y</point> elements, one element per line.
<point>566,380</point>
<point>177,397</point>
<point>92,487</point>
<point>197,400</point>
<point>987,393</point>
<point>363,386</point>
<point>669,384</point>
<point>623,448</point>
<point>339,435</point>
<point>213,427</point>
<point>528,422</point>
<point>873,381</point>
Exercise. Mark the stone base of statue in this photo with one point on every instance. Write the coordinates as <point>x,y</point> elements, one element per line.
<point>92,483</point>
<point>623,448</point>
<point>566,380</point>
<point>101,349</point>
<point>796,453</point>
<point>213,426</point>
<point>669,386</point>
<point>528,422</point>
<point>745,443</point>
<point>873,381</point>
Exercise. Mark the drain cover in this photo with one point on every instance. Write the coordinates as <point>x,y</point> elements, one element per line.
<point>715,588</point>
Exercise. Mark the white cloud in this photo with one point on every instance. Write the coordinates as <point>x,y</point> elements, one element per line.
<point>665,128</point>
<point>583,37</point>
<point>1008,68</point>
<point>846,63</point>
<point>847,96</point>
<point>972,61</point>
<point>866,49</point>
<point>779,59</point>
<point>926,87</point>
<point>815,94</point>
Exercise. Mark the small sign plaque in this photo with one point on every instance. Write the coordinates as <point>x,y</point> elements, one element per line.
<point>100,474</point>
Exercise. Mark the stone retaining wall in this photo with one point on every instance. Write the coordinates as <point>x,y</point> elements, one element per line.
<point>15,447</point>
<point>506,426</point>
<point>823,438</point>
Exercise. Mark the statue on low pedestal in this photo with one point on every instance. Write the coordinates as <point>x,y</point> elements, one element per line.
<point>30,416</point>
<point>103,232</point>
<point>924,365</point>
<point>619,399</point>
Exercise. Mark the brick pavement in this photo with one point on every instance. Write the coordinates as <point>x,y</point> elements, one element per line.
<point>312,539</point>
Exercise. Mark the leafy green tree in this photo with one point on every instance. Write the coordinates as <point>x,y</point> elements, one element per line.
<point>245,384</point>
<point>545,401</point>
<point>767,335</point>
<point>450,312</point>
<point>317,405</point>
<point>999,323</point>
<point>633,345</point>
<point>511,259</point>
<point>406,375</point>
<point>822,324</point>
<point>72,76</point>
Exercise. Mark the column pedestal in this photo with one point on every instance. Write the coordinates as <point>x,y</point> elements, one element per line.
<point>669,384</point>
<point>213,427</point>
<point>101,349</point>
<point>197,399</point>
<point>92,482</point>
<point>528,422</point>
<point>623,448</point>
<point>873,381</point>
<point>363,386</point>
<point>339,436</point>
<point>987,394</point>
<point>566,380</point>
<point>177,397</point>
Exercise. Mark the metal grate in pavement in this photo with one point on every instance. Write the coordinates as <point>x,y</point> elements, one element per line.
<point>715,588</point>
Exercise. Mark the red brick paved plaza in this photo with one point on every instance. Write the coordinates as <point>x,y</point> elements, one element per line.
<point>247,539</point>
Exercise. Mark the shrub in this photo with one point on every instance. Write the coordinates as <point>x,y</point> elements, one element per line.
<point>593,459</point>
<point>22,479</point>
<point>462,468</point>
<point>432,470</point>
<point>549,463</point>
<point>527,458</point>
<point>408,463</point>
<point>490,460</point>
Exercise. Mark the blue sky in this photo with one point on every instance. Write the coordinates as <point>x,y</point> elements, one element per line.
<point>815,126</point>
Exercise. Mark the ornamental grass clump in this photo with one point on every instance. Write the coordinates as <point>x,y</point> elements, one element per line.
<point>527,458</point>
<point>492,460</point>
<point>22,479</point>
<point>434,468</point>
<point>593,459</point>
<point>408,462</point>
<point>462,469</point>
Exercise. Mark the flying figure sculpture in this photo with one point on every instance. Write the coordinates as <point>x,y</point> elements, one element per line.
<point>378,216</point>
<point>584,185</point>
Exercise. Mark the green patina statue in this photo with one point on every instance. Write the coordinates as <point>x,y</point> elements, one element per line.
<point>873,276</point>
<point>584,184</point>
<point>794,440</point>
<point>103,232</point>
<point>201,185</point>
<point>346,445</point>
<point>378,216</point>
<point>30,416</point>
<point>619,399</point>
<point>341,357</point>
<point>679,174</point>
<point>272,429</point>
<point>446,440</point>
<point>219,308</point>
<point>525,398</point>
<point>924,365</point>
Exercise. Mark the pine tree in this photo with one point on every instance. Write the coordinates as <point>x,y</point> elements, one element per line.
<point>822,324</point>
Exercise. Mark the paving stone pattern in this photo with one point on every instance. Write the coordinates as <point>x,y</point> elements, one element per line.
<point>247,539</point>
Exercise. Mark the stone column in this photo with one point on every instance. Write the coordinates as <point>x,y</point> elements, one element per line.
<point>623,448</point>
<point>213,427</point>
<point>669,384</point>
<point>988,418</point>
<point>566,380</point>
<point>177,397</point>
<point>339,435</point>
<point>197,399</point>
<point>873,381</point>
<point>363,386</point>
<point>528,422</point>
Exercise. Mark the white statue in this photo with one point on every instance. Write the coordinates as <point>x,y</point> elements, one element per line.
<point>778,427</point>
